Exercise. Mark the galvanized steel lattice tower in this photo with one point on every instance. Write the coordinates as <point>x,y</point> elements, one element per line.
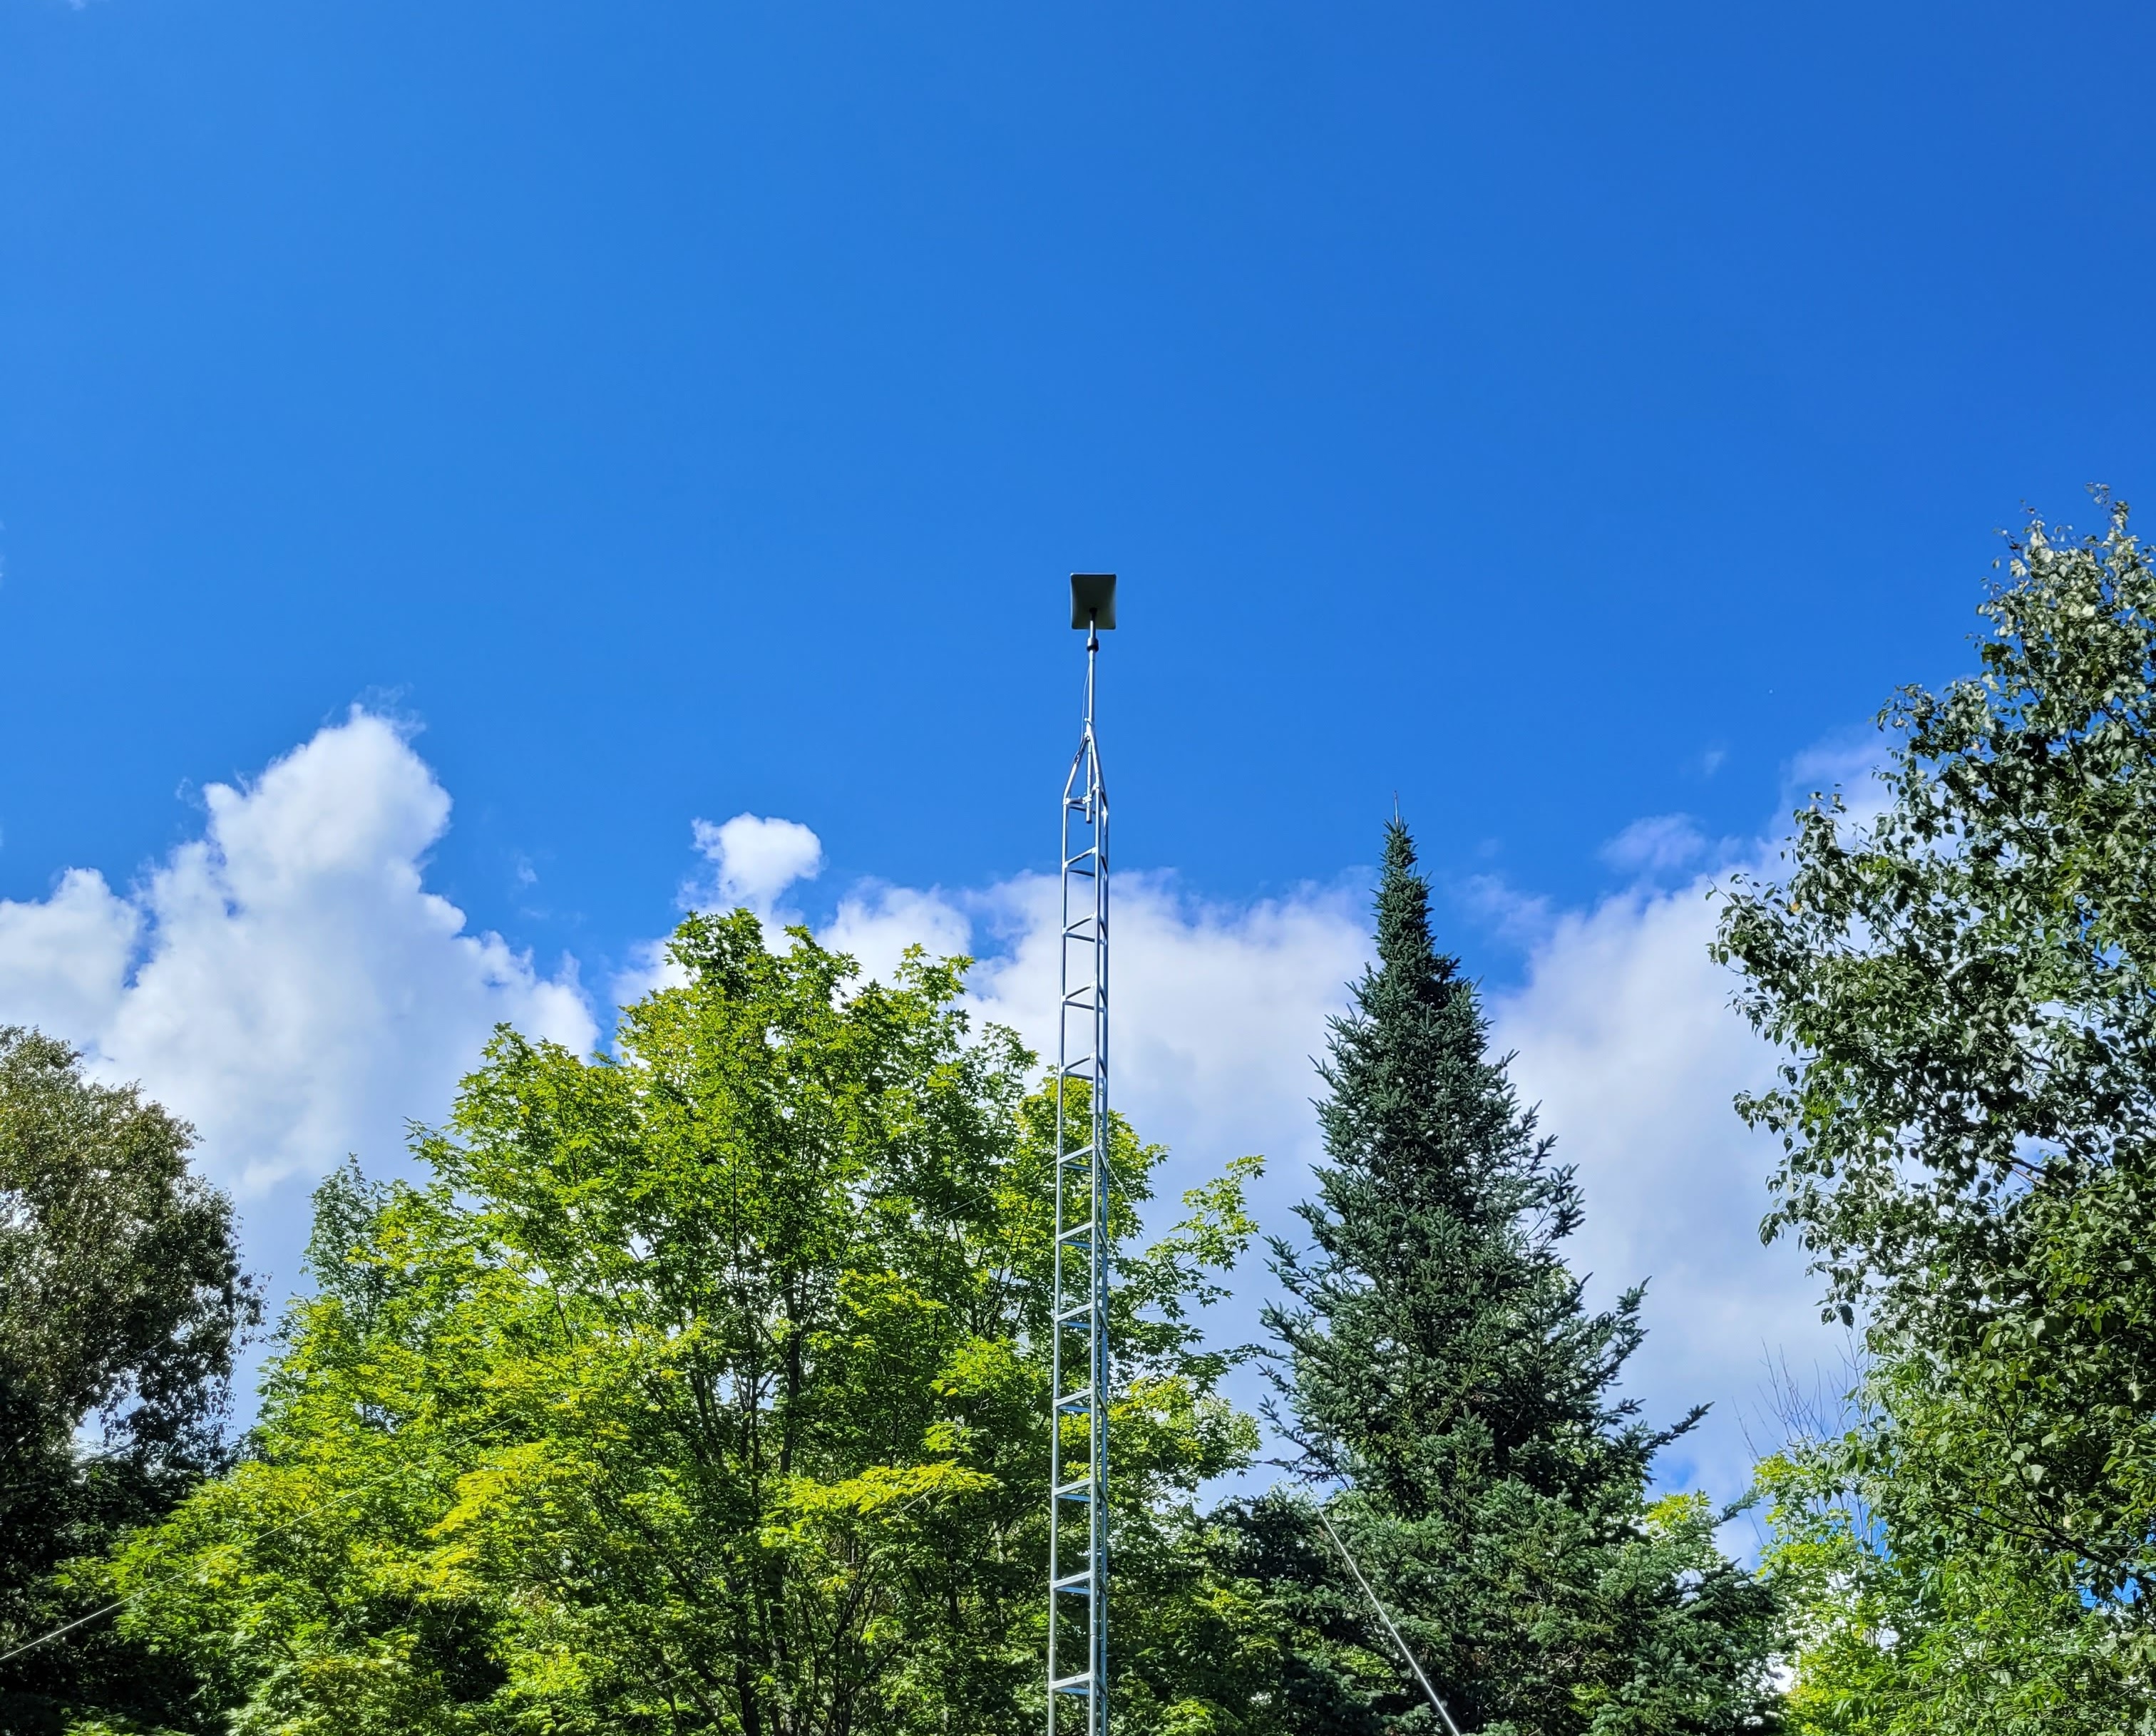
<point>1078,1355</point>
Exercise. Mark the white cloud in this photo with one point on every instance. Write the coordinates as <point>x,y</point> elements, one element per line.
<point>1216,1011</point>
<point>875,923</point>
<point>754,860</point>
<point>285,981</point>
<point>1519,919</point>
<point>1625,1038</point>
<point>63,959</point>
<point>1849,765</point>
<point>1655,845</point>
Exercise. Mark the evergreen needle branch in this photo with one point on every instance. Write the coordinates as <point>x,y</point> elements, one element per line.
<point>1355,1568</point>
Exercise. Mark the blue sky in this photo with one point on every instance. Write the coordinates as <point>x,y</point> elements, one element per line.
<point>1563,417</point>
<point>694,408</point>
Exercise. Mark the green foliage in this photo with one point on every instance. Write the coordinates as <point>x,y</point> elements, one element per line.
<point>1439,1358</point>
<point>1899,1632</point>
<point>120,1301</point>
<point>700,1391</point>
<point>1966,986</point>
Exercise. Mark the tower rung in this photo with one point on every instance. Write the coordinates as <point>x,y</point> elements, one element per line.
<point>1079,1584</point>
<point>1080,1312</point>
<point>1075,1492</point>
<point>1083,1232</point>
<point>1081,1686</point>
<point>1082,1399</point>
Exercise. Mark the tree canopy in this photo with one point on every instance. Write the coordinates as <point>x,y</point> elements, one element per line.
<point>121,1300</point>
<point>702,1390</point>
<point>1964,981</point>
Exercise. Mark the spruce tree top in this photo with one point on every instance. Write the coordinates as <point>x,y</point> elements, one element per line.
<point>1410,1097</point>
<point>1436,1340</point>
<point>1440,1370</point>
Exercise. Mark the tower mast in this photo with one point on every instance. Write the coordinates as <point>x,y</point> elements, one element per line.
<point>1078,1355</point>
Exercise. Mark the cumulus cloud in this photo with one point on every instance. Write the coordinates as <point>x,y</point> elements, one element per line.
<point>1216,1010</point>
<point>875,923</point>
<point>63,959</point>
<point>1625,1039</point>
<point>1623,1034</point>
<point>754,860</point>
<point>285,981</point>
<point>751,863</point>
<point>1655,844</point>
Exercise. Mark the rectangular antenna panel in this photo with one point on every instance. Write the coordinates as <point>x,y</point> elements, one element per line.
<point>1093,600</point>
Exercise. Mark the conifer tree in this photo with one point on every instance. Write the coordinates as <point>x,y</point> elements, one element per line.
<point>1452,1397</point>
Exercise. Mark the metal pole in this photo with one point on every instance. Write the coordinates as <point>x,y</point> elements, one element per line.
<point>1078,1585</point>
